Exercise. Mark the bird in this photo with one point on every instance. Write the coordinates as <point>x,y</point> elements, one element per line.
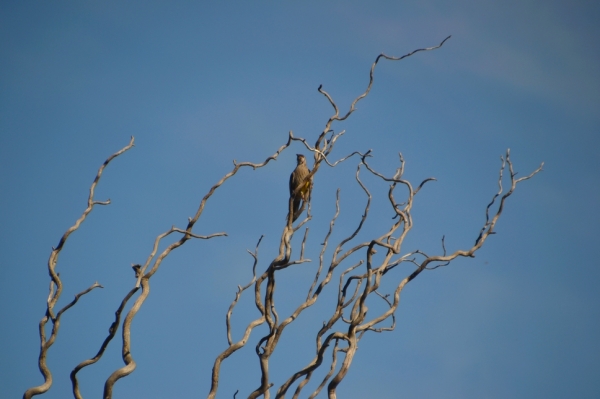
<point>299,181</point>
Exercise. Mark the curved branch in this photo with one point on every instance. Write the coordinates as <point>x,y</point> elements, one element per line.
<point>240,290</point>
<point>336,116</point>
<point>54,295</point>
<point>489,226</point>
<point>111,334</point>
<point>126,334</point>
<point>323,154</point>
<point>144,276</point>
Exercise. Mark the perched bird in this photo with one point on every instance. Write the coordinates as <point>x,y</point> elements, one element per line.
<point>299,182</point>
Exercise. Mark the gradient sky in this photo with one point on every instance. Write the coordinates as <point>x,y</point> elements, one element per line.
<point>199,85</point>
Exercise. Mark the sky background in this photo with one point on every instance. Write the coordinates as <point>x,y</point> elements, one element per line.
<point>200,85</point>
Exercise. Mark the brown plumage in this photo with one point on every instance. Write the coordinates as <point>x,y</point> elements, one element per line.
<point>298,179</point>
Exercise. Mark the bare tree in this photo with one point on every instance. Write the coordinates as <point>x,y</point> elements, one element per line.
<point>358,284</point>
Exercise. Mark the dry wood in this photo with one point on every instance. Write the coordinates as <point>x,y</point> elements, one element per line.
<point>359,283</point>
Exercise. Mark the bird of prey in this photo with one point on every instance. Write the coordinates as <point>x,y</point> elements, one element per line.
<point>299,186</point>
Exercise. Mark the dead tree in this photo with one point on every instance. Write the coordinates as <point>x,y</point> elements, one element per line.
<point>336,342</point>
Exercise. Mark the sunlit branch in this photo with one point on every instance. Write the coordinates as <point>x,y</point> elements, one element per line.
<point>334,352</point>
<point>325,242</point>
<point>323,154</point>
<point>56,284</point>
<point>111,334</point>
<point>336,116</point>
<point>240,290</point>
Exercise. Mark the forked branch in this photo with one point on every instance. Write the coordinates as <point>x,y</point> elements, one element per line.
<point>56,286</point>
<point>143,277</point>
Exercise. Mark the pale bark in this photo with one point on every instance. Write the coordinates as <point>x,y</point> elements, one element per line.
<point>359,283</point>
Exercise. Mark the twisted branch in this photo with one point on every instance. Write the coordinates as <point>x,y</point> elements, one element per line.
<point>143,277</point>
<point>56,286</point>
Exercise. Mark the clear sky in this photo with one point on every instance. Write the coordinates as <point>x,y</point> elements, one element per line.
<point>200,85</point>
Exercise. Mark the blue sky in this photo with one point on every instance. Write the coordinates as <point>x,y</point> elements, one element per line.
<point>199,85</point>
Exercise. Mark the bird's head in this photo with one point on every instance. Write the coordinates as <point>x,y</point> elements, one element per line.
<point>300,158</point>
